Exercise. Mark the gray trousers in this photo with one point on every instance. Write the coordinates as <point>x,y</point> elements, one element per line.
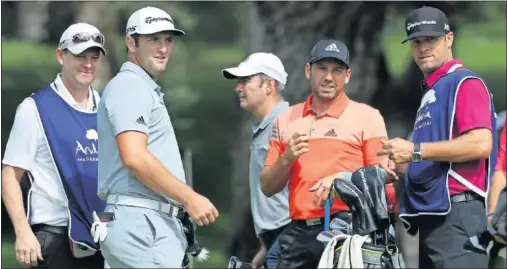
<point>408,244</point>
<point>143,238</point>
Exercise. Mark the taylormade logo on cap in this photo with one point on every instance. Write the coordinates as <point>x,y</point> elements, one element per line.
<point>258,63</point>
<point>411,25</point>
<point>150,20</point>
<point>426,22</point>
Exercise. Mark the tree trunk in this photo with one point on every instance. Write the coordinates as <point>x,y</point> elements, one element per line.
<point>93,13</point>
<point>32,18</point>
<point>243,243</point>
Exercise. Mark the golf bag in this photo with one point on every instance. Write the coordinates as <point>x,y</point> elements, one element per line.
<point>235,263</point>
<point>494,238</point>
<point>193,247</point>
<point>367,243</point>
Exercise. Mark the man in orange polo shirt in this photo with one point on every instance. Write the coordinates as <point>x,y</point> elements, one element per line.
<point>327,134</point>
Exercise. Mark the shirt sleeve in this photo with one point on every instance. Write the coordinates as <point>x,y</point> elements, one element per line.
<point>24,138</point>
<point>472,107</point>
<point>501,161</point>
<point>374,132</point>
<point>129,107</point>
<point>276,147</point>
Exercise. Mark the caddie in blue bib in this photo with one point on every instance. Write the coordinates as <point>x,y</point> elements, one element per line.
<point>73,142</point>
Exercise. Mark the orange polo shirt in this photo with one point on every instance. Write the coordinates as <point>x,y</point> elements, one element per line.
<point>344,139</point>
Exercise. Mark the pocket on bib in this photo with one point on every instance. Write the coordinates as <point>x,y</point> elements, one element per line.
<point>422,174</point>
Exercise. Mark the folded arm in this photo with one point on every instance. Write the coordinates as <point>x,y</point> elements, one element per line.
<point>473,145</point>
<point>473,127</point>
<point>275,177</point>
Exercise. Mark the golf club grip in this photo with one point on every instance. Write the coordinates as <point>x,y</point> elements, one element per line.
<point>327,214</point>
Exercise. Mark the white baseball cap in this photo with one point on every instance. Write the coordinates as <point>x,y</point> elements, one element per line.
<point>149,20</point>
<point>260,62</point>
<point>80,37</point>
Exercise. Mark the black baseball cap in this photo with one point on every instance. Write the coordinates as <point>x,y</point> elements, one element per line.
<point>330,48</point>
<point>426,21</point>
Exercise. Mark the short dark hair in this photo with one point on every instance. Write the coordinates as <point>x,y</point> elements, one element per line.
<point>136,41</point>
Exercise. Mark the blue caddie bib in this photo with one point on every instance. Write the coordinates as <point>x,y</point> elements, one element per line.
<point>72,139</point>
<point>426,190</point>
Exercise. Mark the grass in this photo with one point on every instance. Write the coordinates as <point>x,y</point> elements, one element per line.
<point>20,53</point>
<point>9,256</point>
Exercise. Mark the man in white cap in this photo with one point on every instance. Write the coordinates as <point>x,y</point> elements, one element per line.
<point>54,141</point>
<point>260,80</point>
<point>141,174</point>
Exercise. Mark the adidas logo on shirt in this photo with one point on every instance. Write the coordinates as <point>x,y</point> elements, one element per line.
<point>332,47</point>
<point>140,120</point>
<point>330,133</point>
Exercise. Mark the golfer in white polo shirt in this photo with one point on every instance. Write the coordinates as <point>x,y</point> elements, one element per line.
<point>141,174</point>
<point>54,140</point>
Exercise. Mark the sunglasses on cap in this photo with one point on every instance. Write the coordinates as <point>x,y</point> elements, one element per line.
<point>82,38</point>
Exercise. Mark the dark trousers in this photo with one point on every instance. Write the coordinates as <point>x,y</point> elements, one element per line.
<point>268,237</point>
<point>441,238</point>
<point>56,252</point>
<point>269,240</point>
<point>299,247</point>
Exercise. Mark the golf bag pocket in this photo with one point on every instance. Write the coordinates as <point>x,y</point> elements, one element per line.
<point>374,257</point>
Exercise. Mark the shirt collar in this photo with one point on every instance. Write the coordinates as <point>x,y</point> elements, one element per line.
<point>335,109</point>
<point>62,90</point>
<point>270,117</point>
<point>130,66</point>
<point>444,69</point>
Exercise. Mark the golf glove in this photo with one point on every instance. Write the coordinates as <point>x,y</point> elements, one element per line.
<point>99,229</point>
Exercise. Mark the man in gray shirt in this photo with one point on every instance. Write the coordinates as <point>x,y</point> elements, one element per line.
<point>260,79</point>
<point>141,175</point>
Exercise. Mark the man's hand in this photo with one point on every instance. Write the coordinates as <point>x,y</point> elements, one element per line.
<point>399,150</point>
<point>390,167</point>
<point>200,209</point>
<point>324,189</point>
<point>28,249</point>
<point>297,146</point>
<point>260,257</point>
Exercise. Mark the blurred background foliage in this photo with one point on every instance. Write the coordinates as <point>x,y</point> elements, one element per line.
<point>202,104</point>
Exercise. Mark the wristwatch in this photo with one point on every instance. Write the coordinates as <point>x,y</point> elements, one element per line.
<point>416,155</point>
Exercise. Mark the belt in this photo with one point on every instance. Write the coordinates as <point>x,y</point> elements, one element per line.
<point>268,237</point>
<point>345,215</point>
<point>167,208</point>
<point>61,230</point>
<point>466,197</point>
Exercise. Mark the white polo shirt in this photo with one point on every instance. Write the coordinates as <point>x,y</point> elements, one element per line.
<point>27,149</point>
